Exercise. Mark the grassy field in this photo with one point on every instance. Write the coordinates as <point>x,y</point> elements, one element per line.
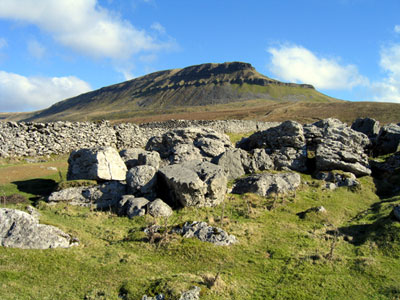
<point>351,252</point>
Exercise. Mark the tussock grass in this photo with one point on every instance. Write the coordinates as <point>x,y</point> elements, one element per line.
<point>351,252</point>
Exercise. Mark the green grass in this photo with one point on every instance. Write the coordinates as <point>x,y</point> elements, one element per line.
<point>279,256</point>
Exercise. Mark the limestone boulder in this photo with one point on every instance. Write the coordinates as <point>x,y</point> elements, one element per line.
<point>19,229</point>
<point>193,183</point>
<point>103,163</point>
<point>159,208</point>
<point>142,180</point>
<point>388,140</point>
<point>337,147</point>
<point>189,143</point>
<point>234,162</point>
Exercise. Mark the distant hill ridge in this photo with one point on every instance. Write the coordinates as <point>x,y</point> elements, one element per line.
<point>199,85</point>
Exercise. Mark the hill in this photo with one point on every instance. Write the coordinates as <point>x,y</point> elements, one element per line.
<point>176,90</point>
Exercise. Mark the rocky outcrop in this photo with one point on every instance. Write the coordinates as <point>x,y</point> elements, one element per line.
<point>368,126</point>
<point>102,163</point>
<point>337,147</point>
<point>137,156</point>
<point>189,144</point>
<point>234,162</point>
<point>21,230</point>
<point>193,183</point>
<point>266,184</point>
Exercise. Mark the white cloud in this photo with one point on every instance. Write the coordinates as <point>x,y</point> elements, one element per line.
<point>397,28</point>
<point>158,27</point>
<point>297,64</point>
<point>3,43</point>
<point>20,93</point>
<point>84,26</point>
<point>388,89</point>
<point>36,49</point>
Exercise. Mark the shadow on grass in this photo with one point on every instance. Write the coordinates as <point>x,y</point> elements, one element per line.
<point>39,188</point>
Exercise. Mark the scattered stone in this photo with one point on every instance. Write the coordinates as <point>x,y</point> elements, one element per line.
<point>103,163</point>
<point>52,169</point>
<point>192,294</point>
<point>317,209</point>
<point>206,233</point>
<point>338,179</point>
<point>21,230</point>
<point>158,297</point>
<point>194,183</point>
<point>266,184</point>
<point>159,208</point>
<point>141,181</point>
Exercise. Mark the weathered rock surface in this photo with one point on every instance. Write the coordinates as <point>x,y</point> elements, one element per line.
<point>101,196</point>
<point>134,207</point>
<point>103,163</point>
<point>131,156</point>
<point>142,180</point>
<point>21,230</point>
<point>159,208</point>
<point>234,162</point>
<point>288,158</point>
<point>194,183</point>
<point>260,160</point>
<point>388,140</point>
<point>192,294</point>
<point>267,183</point>
<point>337,147</point>
<point>206,233</point>
<point>189,143</point>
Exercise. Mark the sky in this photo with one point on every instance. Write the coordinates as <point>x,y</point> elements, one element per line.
<point>51,50</point>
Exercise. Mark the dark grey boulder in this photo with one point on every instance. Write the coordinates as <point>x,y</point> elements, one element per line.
<point>287,134</point>
<point>337,147</point>
<point>235,162</point>
<point>388,140</point>
<point>142,180</point>
<point>288,158</point>
<point>368,126</point>
<point>102,163</point>
<point>266,184</point>
<point>159,208</point>
<point>19,229</point>
<point>193,183</point>
<point>206,233</point>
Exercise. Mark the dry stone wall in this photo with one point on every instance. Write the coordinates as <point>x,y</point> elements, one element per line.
<point>40,139</point>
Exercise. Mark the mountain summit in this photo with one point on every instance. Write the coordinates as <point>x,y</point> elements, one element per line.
<point>199,85</point>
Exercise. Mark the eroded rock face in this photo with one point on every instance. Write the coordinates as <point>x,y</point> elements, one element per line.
<point>337,147</point>
<point>103,163</point>
<point>266,184</point>
<point>21,230</point>
<point>189,143</point>
<point>368,126</point>
<point>194,183</point>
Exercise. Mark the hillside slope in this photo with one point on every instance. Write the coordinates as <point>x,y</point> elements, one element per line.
<point>195,86</point>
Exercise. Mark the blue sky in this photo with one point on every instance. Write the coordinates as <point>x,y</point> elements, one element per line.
<point>54,49</point>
